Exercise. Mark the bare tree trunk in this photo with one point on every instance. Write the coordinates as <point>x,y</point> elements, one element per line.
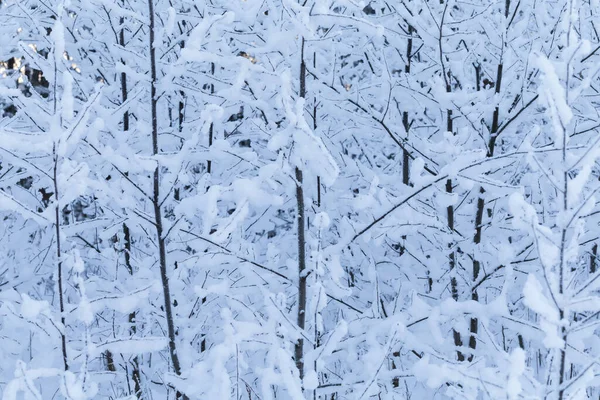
<point>480,201</point>
<point>452,265</point>
<point>405,153</point>
<point>447,75</point>
<point>494,130</point>
<point>474,328</point>
<point>452,256</point>
<point>405,123</point>
<point>317,334</point>
<point>314,129</point>
<point>495,122</point>
<point>210,129</point>
<point>135,373</point>
<point>123,77</point>
<point>299,347</point>
<point>158,222</point>
<point>61,298</point>
<point>593,259</point>
<point>561,271</point>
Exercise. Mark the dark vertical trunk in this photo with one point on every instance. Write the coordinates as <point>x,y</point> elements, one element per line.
<point>314,129</point>
<point>452,256</point>
<point>210,129</point>
<point>123,77</point>
<point>405,154</point>
<point>495,116</point>
<point>593,259</point>
<point>452,265</point>
<point>135,373</point>
<point>521,341</point>
<point>110,362</point>
<point>127,237</point>
<point>494,130</point>
<point>61,297</point>
<point>301,320</point>
<point>164,275</point>
<point>316,316</point>
<point>476,268</point>
<point>181,113</point>
<point>203,341</point>
<point>181,93</point>
<point>405,123</point>
<point>480,201</point>
<point>299,348</point>
<point>474,327</point>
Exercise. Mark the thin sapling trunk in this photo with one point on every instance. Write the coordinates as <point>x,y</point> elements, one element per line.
<point>158,219</point>
<point>301,318</point>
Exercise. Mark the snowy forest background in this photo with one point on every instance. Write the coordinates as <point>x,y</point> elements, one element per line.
<point>326,200</point>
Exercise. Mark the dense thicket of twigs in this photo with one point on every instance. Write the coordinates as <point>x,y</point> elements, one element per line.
<point>325,200</point>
